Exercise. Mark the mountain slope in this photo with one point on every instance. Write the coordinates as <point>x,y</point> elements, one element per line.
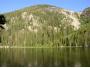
<point>42,25</point>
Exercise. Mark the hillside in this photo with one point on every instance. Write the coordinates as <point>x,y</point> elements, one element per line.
<point>44,25</point>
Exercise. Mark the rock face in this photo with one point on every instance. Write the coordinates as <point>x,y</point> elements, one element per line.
<point>37,16</point>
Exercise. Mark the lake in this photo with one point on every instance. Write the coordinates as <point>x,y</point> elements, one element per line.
<point>45,57</point>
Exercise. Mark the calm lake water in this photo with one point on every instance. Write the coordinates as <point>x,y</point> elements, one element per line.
<point>59,57</point>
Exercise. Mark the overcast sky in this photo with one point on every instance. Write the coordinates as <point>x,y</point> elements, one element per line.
<point>75,5</point>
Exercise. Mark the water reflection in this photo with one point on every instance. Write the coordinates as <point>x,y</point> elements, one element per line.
<point>46,57</point>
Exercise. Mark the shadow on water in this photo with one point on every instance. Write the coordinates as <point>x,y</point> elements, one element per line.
<point>47,57</point>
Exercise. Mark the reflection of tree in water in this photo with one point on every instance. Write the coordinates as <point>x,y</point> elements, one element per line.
<point>45,57</point>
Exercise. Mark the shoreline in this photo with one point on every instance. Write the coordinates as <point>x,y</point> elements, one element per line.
<point>41,47</point>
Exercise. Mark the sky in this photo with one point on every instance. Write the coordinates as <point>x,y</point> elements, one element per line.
<point>12,5</point>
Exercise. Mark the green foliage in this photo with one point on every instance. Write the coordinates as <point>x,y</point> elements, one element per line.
<point>85,16</point>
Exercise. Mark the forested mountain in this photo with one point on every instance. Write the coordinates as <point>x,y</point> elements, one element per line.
<point>48,26</point>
